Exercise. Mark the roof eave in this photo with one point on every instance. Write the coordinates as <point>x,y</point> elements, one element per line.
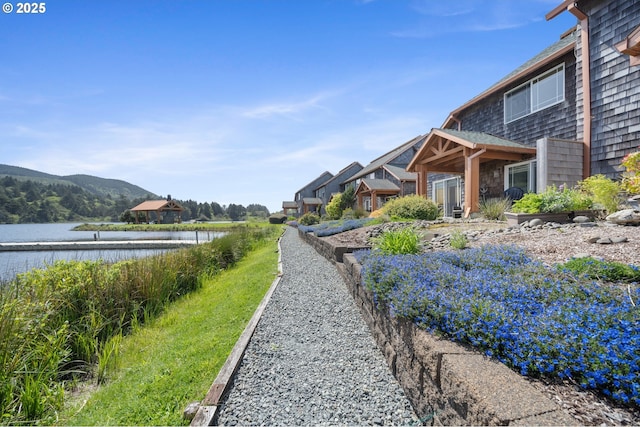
<point>561,52</point>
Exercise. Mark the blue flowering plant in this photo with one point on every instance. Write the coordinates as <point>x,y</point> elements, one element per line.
<point>329,228</point>
<point>540,321</point>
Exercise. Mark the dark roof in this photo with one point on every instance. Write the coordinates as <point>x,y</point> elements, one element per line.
<point>401,173</point>
<point>322,178</point>
<point>388,157</point>
<point>380,184</point>
<point>311,201</point>
<point>339,174</point>
<point>482,139</point>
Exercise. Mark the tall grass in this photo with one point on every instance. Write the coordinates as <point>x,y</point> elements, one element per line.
<point>64,320</point>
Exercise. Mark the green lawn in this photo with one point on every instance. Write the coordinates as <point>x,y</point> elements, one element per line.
<point>174,360</point>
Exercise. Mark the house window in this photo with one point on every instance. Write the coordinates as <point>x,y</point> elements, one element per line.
<point>535,95</point>
<point>521,175</point>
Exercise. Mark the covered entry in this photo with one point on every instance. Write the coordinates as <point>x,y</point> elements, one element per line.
<point>461,153</point>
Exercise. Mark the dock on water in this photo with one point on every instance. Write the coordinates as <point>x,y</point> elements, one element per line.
<point>95,245</point>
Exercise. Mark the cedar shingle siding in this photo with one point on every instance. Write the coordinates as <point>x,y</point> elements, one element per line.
<point>558,121</point>
<point>615,101</point>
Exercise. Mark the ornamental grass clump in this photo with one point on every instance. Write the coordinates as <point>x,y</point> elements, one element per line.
<point>538,320</point>
<point>494,209</point>
<point>396,242</point>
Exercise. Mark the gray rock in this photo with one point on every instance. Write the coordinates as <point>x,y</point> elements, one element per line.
<point>604,241</point>
<point>535,222</point>
<point>625,217</point>
<point>592,239</point>
<point>581,219</point>
<point>619,239</point>
<point>581,255</point>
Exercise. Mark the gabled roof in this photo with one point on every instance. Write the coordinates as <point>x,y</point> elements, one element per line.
<point>473,139</point>
<point>318,181</point>
<point>400,173</point>
<point>339,174</point>
<point>289,205</point>
<point>447,146</point>
<point>561,47</point>
<point>387,158</point>
<point>157,205</point>
<point>379,185</point>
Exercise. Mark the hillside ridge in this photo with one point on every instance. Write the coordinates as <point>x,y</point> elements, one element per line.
<point>92,184</point>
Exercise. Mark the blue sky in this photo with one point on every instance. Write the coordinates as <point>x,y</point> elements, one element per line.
<point>246,101</point>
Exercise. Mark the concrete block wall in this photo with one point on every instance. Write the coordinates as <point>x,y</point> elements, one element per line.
<point>447,383</point>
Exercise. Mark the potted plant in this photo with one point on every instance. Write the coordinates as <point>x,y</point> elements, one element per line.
<point>553,205</point>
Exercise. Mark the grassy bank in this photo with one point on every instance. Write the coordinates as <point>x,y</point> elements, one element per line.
<point>66,321</point>
<point>175,359</point>
<point>196,226</point>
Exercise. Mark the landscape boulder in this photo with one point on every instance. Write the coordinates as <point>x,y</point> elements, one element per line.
<point>625,217</point>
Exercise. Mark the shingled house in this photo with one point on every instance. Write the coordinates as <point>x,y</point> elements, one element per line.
<point>528,130</point>
<point>335,184</point>
<point>306,198</point>
<point>386,176</point>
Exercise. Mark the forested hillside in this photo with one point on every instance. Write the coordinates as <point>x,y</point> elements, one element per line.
<point>25,201</point>
<point>36,197</point>
<point>91,184</point>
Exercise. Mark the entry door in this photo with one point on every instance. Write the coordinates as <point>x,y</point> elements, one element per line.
<point>447,194</point>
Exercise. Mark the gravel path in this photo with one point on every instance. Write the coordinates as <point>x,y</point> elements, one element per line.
<point>312,359</point>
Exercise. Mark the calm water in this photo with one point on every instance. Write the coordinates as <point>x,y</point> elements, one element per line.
<point>12,263</point>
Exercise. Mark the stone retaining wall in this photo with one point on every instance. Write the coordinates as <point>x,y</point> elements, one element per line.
<point>447,383</point>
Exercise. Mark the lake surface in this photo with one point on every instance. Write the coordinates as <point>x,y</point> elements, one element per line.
<point>12,263</point>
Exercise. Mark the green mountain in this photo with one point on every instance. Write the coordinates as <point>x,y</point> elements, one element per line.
<point>92,184</point>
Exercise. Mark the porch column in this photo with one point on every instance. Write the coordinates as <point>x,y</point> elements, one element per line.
<point>360,203</point>
<point>423,183</point>
<point>471,180</point>
<point>374,200</point>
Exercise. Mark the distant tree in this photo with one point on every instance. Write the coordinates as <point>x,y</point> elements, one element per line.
<point>236,212</point>
<point>128,217</point>
<point>205,210</point>
<point>258,210</point>
<point>348,199</point>
<point>217,209</point>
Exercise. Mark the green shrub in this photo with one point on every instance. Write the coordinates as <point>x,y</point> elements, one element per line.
<point>398,242</point>
<point>411,207</point>
<point>495,208</point>
<point>458,240</point>
<point>529,203</point>
<point>309,218</point>
<point>593,268</point>
<point>553,201</point>
<point>604,191</point>
<point>334,207</point>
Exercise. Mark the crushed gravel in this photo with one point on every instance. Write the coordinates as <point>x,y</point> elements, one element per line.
<point>312,359</point>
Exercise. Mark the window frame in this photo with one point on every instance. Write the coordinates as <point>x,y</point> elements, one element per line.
<point>532,184</point>
<point>530,87</point>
